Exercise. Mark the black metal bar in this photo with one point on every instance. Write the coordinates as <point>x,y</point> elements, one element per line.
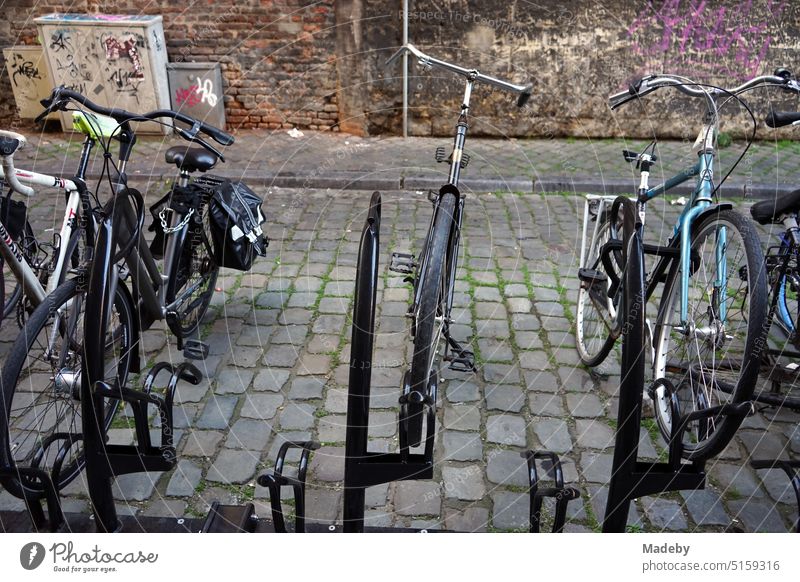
<point>275,481</point>
<point>562,495</point>
<point>98,300</point>
<point>361,367</point>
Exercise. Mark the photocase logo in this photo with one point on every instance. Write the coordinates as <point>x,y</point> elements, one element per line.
<point>31,555</point>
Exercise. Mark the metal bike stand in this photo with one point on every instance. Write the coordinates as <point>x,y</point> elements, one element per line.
<point>561,494</point>
<point>363,468</point>
<point>631,478</point>
<point>35,479</point>
<point>792,470</point>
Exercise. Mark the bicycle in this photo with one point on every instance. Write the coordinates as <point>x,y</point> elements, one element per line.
<point>783,275</point>
<point>710,320</point>
<point>435,274</point>
<point>64,327</point>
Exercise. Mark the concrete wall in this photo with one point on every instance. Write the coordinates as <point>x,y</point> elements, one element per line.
<point>317,65</point>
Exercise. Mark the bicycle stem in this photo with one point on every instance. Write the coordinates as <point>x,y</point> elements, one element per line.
<point>461,133</point>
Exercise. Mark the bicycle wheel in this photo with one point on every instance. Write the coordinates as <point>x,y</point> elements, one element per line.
<point>714,358</point>
<point>429,320</point>
<point>40,383</point>
<point>193,274</point>
<point>596,311</point>
<point>27,244</point>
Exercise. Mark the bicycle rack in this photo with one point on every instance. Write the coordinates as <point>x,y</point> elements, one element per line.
<point>32,478</point>
<point>631,478</point>
<point>277,480</point>
<point>792,470</point>
<point>363,468</point>
<point>562,495</point>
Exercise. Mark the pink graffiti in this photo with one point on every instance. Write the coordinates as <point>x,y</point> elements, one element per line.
<point>127,48</point>
<point>189,97</point>
<point>697,37</point>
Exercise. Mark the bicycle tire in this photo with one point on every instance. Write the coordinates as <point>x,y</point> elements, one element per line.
<point>192,264</point>
<point>594,342</point>
<point>431,294</point>
<point>700,382</point>
<point>27,403</point>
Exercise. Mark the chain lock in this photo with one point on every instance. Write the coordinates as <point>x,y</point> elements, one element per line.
<point>172,229</point>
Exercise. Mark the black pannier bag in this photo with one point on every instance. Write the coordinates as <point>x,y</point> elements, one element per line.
<point>235,220</point>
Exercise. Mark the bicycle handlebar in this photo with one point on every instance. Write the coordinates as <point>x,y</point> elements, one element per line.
<point>650,83</point>
<point>781,118</point>
<point>17,142</point>
<point>473,74</point>
<point>61,94</point>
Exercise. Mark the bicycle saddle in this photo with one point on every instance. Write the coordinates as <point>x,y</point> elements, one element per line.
<point>190,159</point>
<point>768,211</point>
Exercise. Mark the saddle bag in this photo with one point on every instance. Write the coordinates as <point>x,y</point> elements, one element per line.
<point>12,215</point>
<point>235,219</point>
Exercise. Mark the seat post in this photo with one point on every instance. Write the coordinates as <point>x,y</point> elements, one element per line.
<point>183,179</point>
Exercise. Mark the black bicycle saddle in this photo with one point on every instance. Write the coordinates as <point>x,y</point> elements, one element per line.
<point>190,159</point>
<point>768,211</point>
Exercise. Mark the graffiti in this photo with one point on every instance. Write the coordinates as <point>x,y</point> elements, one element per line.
<point>698,37</point>
<point>206,91</point>
<point>201,92</point>
<point>188,97</point>
<point>60,41</point>
<point>125,82</point>
<point>124,47</point>
<point>22,67</point>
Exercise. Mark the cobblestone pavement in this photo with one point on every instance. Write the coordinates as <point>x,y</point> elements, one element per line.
<point>280,339</point>
<point>332,160</point>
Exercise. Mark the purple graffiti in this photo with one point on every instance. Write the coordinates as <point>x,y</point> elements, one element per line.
<point>699,39</point>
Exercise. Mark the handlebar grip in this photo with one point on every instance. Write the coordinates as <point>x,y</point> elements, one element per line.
<point>525,95</point>
<point>219,136</point>
<point>781,118</point>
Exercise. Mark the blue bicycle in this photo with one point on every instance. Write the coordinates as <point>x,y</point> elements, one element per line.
<point>709,329</point>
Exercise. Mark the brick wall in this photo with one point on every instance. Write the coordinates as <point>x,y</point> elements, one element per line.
<point>320,64</point>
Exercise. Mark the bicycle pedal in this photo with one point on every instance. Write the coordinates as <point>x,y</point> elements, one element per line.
<point>463,362</point>
<point>194,349</point>
<point>403,263</point>
<point>591,276</point>
<point>441,154</point>
<point>464,160</point>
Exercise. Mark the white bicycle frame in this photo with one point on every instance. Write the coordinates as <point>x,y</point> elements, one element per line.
<point>13,255</point>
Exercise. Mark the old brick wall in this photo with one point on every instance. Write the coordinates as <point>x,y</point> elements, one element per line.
<point>320,64</point>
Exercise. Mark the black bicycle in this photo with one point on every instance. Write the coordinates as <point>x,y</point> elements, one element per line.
<point>434,274</point>
<point>95,318</point>
<point>780,361</point>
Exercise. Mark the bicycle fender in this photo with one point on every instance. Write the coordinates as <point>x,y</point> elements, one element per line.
<point>712,209</point>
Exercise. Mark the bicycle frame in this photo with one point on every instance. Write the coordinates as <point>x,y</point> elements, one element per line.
<point>75,191</point>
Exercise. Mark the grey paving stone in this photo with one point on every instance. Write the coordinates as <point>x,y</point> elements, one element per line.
<point>261,406</point>
<point>553,434</point>
<point>376,496</point>
<point>233,381</point>
<point>471,519</point>
<point>465,483</point>
<point>501,374</point>
<point>201,443</point>
<point>736,479</point>
<point>462,446</point>
<point>185,479</point>
<point>516,290</point>
<point>135,486</point>
<point>382,424</point>
<point>417,498</point>
<point>541,381</point>
<point>536,360</point>
<point>233,466</point>
<point>329,324</point>
<point>546,404</point>
<point>528,340</point>
<point>507,468</point>
<point>294,335</point>
<point>510,511</point>
<point>217,412</point>
<point>281,356</point>
<point>327,464</point>
<point>504,398</point>
<point>306,388</point>
<point>519,305</point>
<point>705,507</point>
<point>166,507</point>
<point>584,405</point>
<point>506,429</point>
<point>596,467</point>
<point>598,499</point>
<point>664,514</point>
<point>594,434</point>
<point>270,379</point>
<point>297,416</point>
<point>764,445</point>
<point>252,435</point>
<point>462,417</point>
<point>314,364</point>
<point>332,428</point>
<point>246,357</point>
<point>757,515</point>
<point>462,391</point>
